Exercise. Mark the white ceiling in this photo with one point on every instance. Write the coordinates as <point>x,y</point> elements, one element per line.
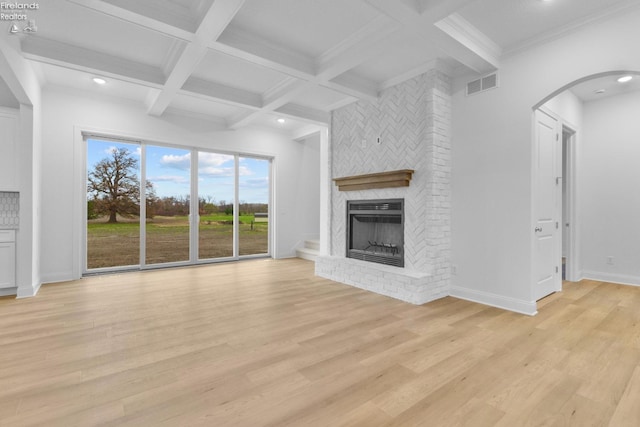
<point>514,24</point>
<point>250,62</point>
<point>591,90</point>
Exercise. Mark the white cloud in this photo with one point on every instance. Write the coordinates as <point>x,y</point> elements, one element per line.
<point>255,183</point>
<point>208,163</point>
<point>245,171</point>
<point>169,178</point>
<point>214,172</point>
<point>210,167</point>
<point>176,162</point>
<point>213,159</point>
<point>112,149</point>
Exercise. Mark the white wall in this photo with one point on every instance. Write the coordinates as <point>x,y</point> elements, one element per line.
<point>568,108</point>
<point>21,79</point>
<point>610,189</point>
<point>29,235</point>
<point>492,226</point>
<point>308,188</point>
<point>66,112</point>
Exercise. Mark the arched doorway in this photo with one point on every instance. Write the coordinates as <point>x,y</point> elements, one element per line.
<point>557,211</point>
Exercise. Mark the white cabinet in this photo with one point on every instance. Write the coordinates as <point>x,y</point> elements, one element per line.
<point>8,151</point>
<point>7,258</point>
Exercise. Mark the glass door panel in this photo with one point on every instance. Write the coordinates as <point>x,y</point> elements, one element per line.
<point>216,181</point>
<point>253,196</point>
<point>168,186</point>
<point>113,204</point>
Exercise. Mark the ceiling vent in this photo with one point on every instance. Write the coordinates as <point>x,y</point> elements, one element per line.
<point>482,84</point>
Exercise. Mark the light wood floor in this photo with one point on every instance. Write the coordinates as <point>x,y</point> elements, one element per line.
<point>265,343</point>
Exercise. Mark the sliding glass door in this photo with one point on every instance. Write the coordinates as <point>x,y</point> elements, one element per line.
<point>151,205</point>
<point>167,194</point>
<point>216,196</point>
<point>253,196</point>
<point>112,204</point>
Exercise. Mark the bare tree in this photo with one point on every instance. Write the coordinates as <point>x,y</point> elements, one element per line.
<point>115,185</point>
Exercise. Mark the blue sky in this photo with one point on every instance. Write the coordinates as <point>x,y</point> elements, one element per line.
<point>169,171</point>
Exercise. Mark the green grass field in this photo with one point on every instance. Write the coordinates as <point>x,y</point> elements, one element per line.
<point>167,239</point>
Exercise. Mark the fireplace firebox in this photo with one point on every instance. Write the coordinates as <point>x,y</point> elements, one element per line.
<point>375,231</point>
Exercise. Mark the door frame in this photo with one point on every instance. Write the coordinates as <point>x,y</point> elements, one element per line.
<point>572,272</point>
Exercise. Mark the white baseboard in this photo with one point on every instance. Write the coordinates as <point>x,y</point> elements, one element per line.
<point>288,255</point>
<point>576,278</point>
<point>506,303</point>
<point>29,291</point>
<point>623,279</point>
<point>58,277</point>
<point>8,291</point>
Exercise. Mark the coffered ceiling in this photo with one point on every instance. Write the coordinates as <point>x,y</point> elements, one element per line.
<point>250,62</point>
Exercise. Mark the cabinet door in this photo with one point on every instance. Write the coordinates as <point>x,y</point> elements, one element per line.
<point>8,153</point>
<point>7,265</point>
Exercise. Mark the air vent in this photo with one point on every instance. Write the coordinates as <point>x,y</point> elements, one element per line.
<point>474,87</point>
<point>490,81</point>
<point>482,84</point>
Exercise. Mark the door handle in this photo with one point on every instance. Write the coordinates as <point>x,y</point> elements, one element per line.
<point>538,229</point>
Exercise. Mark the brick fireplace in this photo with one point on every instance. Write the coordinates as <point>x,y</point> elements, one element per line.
<point>409,128</point>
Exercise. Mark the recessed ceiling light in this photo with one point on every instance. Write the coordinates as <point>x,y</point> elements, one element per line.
<point>280,120</point>
<point>99,81</point>
<point>599,91</point>
<point>624,79</point>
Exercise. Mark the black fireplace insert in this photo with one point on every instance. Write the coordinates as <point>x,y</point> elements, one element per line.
<point>375,231</point>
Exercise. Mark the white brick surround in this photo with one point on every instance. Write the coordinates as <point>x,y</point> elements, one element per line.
<point>413,122</point>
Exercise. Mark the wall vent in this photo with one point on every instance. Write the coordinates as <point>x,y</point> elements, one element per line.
<point>482,84</point>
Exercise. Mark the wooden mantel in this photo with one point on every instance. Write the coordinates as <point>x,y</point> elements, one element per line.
<point>370,181</point>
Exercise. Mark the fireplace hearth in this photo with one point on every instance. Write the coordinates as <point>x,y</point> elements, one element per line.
<point>375,231</point>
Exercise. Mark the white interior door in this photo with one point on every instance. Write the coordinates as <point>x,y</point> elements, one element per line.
<point>547,205</point>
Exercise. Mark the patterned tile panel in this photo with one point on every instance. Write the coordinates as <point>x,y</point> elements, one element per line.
<point>9,209</point>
